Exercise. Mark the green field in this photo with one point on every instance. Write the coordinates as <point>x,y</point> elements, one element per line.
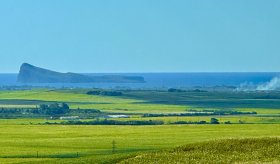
<point>94,143</point>
<point>146,101</point>
<point>28,139</point>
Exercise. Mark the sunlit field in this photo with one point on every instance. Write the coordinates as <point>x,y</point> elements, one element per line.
<point>32,140</point>
<point>94,143</point>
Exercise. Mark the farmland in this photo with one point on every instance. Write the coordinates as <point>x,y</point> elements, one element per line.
<point>27,138</point>
<point>94,143</point>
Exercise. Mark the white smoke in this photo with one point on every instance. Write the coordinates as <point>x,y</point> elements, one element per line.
<point>273,84</point>
<point>246,86</point>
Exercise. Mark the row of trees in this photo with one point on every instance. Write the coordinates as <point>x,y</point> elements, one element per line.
<point>111,122</point>
<point>15,110</point>
<point>198,113</point>
<point>43,109</point>
<point>135,122</point>
<point>105,93</point>
<point>54,109</point>
<point>212,121</point>
<point>180,90</point>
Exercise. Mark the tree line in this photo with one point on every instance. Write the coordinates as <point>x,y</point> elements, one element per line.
<point>197,113</point>
<point>45,109</point>
<point>111,122</point>
<point>105,93</point>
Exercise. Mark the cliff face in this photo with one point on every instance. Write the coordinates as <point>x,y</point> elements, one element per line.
<point>31,74</point>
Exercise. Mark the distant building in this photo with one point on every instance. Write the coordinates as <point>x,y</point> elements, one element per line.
<point>69,118</point>
<point>118,116</point>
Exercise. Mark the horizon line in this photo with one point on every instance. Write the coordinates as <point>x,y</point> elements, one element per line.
<point>159,72</point>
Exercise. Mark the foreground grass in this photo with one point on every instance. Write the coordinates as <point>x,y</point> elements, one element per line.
<point>250,150</point>
<point>60,144</point>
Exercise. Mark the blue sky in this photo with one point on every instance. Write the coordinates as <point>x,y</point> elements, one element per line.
<point>141,35</point>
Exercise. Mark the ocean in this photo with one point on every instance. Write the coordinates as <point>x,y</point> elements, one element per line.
<point>161,80</point>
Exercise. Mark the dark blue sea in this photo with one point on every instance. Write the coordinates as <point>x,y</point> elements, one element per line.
<point>162,80</point>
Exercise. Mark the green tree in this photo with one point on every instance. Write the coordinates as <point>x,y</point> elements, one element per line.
<point>214,121</point>
<point>54,109</point>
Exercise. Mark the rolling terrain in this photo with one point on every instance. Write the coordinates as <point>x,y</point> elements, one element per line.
<point>249,150</point>
<point>33,138</point>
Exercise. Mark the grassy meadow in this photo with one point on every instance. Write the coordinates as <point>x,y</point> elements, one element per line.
<point>58,143</point>
<point>29,140</point>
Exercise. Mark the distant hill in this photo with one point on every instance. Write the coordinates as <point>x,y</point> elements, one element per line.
<point>32,74</point>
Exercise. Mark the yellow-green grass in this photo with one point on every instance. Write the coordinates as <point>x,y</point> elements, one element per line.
<point>249,150</point>
<point>84,101</point>
<point>16,106</point>
<point>105,103</point>
<point>27,121</point>
<point>133,108</point>
<point>52,95</point>
<point>59,143</point>
<point>20,141</point>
